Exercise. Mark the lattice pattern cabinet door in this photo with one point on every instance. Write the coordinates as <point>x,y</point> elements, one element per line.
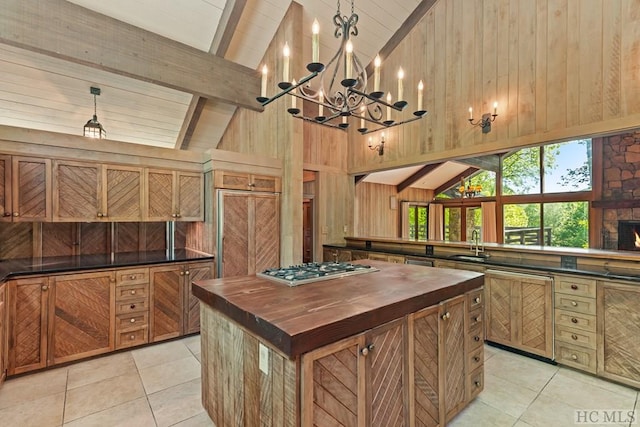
<point>619,328</point>
<point>199,271</point>
<point>5,188</point>
<point>122,193</point>
<point>82,316</point>
<point>424,359</point>
<point>160,187</point>
<point>453,355</point>
<point>76,191</point>
<point>266,232</point>
<point>190,196</point>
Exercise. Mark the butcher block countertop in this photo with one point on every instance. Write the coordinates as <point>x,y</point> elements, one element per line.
<point>299,319</point>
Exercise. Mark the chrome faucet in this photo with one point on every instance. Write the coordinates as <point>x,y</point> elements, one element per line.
<point>475,244</point>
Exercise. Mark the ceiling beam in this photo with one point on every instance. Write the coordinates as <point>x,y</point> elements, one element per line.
<point>488,163</point>
<point>412,20</point>
<point>64,30</point>
<point>416,176</point>
<point>454,180</point>
<point>359,178</point>
<point>228,22</point>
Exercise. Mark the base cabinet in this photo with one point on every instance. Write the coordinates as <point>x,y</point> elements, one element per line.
<point>619,332</point>
<point>3,333</point>
<point>519,311</point>
<point>81,316</point>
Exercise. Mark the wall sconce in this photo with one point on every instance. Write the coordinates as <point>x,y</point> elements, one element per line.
<point>380,147</point>
<point>485,121</point>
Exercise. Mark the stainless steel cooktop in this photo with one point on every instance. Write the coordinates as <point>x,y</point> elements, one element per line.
<point>314,272</point>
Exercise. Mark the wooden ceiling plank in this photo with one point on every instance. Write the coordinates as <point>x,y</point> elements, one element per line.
<point>488,163</point>
<point>416,176</point>
<point>64,30</point>
<point>454,180</point>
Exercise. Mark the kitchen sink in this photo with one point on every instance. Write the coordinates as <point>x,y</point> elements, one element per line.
<point>473,258</point>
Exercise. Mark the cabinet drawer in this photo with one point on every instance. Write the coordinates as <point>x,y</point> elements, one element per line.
<point>132,306</point>
<point>576,337</point>
<point>132,321</point>
<point>132,337</point>
<point>475,318</point>
<point>132,292</point>
<point>475,298</point>
<point>576,357</point>
<point>576,303</point>
<point>475,338</point>
<point>475,359</point>
<point>475,383</point>
<point>378,257</point>
<point>396,259</point>
<point>576,286</point>
<point>571,319</point>
<point>132,276</point>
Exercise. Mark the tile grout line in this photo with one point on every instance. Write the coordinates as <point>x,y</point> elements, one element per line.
<point>146,395</point>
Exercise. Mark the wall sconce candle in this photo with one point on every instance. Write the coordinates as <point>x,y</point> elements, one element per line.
<point>380,147</point>
<point>486,120</point>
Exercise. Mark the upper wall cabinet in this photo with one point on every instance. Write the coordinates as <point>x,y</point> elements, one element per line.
<point>25,189</point>
<point>174,195</point>
<point>96,192</point>
<point>247,181</point>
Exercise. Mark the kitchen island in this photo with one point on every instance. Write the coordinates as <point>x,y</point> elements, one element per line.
<point>401,342</point>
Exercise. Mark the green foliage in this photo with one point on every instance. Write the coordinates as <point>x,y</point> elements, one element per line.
<point>569,223</point>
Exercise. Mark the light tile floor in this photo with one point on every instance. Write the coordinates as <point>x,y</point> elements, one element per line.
<point>160,386</point>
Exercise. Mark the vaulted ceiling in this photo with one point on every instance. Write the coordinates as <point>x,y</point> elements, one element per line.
<point>51,92</point>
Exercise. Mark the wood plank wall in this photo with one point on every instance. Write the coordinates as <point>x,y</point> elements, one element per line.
<point>374,215</point>
<point>559,69</point>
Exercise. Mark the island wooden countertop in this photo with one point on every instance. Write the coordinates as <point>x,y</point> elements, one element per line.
<point>301,318</point>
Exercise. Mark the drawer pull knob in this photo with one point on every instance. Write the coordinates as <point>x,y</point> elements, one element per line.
<point>45,287</point>
<point>132,277</point>
<point>574,287</point>
<point>16,214</point>
<point>477,300</point>
<point>574,320</point>
<point>182,273</point>
<point>574,356</point>
<point>476,338</point>
<point>133,292</point>
<point>476,319</point>
<point>574,337</point>
<point>476,359</point>
<point>477,383</point>
<point>132,337</point>
<point>132,306</point>
<point>133,320</point>
<point>573,303</point>
<point>187,272</point>
<point>446,316</point>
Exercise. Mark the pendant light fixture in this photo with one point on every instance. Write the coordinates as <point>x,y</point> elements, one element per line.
<point>93,128</point>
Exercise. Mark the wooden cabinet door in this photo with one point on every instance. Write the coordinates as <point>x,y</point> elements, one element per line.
<point>28,311</point>
<point>82,316</point>
<point>3,333</point>
<point>619,332</point>
<point>232,180</point>
<point>234,253</point>
<point>5,188</point>
<point>266,232</point>
<point>385,379</point>
<point>122,193</point>
<point>190,196</point>
<point>332,390</point>
<point>424,348</point>
<point>31,189</point>
<point>452,317</point>
<point>534,316</point>
<point>166,307</point>
<point>498,306</point>
<point>159,188</point>
<point>76,191</point>
<point>268,184</point>
<point>196,272</point>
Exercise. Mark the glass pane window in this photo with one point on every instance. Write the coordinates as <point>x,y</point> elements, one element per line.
<point>473,221</point>
<point>418,222</point>
<point>452,224</point>
<point>567,166</point>
<point>521,172</point>
<point>568,224</point>
<point>522,225</point>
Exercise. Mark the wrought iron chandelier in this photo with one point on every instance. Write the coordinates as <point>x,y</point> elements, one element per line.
<point>342,92</point>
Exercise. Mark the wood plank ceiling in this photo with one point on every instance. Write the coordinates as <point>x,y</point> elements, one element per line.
<point>44,92</point>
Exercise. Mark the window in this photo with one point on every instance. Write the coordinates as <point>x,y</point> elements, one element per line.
<point>459,223</point>
<point>418,222</point>
<point>567,166</point>
<point>521,172</point>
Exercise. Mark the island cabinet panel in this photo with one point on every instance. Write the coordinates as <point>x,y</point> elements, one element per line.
<point>246,382</point>
<point>166,307</point>
<point>619,332</point>
<point>3,332</point>
<point>424,348</point>
<point>82,316</point>
<point>520,311</point>
<point>453,356</point>
<point>28,310</point>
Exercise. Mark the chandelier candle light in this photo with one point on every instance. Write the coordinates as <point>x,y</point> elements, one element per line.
<point>342,89</point>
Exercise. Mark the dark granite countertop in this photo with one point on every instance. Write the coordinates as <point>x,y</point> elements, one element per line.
<point>535,265</point>
<point>63,264</point>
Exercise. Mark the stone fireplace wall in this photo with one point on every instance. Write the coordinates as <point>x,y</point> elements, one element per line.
<point>620,183</point>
